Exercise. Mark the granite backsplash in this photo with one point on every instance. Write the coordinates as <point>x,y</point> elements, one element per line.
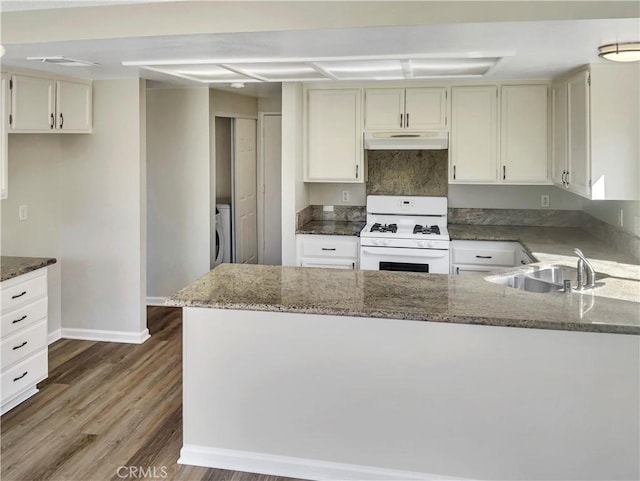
<point>407,172</point>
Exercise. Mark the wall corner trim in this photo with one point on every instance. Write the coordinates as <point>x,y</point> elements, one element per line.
<point>54,336</point>
<point>156,301</point>
<point>106,336</point>
<point>312,469</point>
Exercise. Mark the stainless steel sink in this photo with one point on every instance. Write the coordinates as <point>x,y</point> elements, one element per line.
<point>526,283</point>
<point>556,275</point>
<point>548,279</point>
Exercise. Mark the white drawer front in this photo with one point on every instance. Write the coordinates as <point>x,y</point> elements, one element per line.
<point>329,248</point>
<point>23,316</point>
<point>496,257</point>
<point>27,373</point>
<point>24,293</point>
<point>329,263</point>
<point>23,343</point>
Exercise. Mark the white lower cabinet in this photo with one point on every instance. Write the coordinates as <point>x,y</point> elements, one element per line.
<point>329,251</point>
<point>23,337</point>
<point>480,257</point>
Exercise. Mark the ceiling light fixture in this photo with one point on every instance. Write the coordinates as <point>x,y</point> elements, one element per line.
<point>620,52</point>
<point>237,85</point>
<point>64,61</point>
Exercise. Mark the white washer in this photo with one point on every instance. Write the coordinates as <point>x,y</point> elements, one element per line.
<point>223,233</point>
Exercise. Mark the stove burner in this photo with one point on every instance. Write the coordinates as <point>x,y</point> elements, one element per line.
<point>434,229</point>
<point>377,227</point>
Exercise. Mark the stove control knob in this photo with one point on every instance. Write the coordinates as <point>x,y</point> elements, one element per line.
<point>421,244</point>
<point>385,242</point>
<point>430,244</point>
<point>376,242</point>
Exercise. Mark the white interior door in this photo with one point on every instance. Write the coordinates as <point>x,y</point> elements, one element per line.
<point>271,198</point>
<point>244,191</point>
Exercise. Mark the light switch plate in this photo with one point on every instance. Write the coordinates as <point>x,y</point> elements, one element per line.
<point>620,218</point>
<point>22,213</point>
<point>544,200</point>
<point>345,196</point>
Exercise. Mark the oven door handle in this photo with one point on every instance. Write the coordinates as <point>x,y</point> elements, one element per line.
<point>406,252</point>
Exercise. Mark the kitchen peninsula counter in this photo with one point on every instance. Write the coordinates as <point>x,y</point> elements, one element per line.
<point>11,267</point>
<point>405,296</point>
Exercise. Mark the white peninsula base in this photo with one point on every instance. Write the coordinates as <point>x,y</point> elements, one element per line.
<point>334,397</point>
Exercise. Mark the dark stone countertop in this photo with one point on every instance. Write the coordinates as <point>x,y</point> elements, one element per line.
<point>11,267</point>
<point>332,227</point>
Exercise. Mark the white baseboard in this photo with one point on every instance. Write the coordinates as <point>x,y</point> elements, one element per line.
<point>54,336</point>
<point>9,404</point>
<point>156,301</point>
<point>301,468</point>
<point>106,336</point>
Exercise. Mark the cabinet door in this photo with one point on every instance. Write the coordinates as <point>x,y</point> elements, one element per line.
<point>4,125</point>
<point>32,101</point>
<point>523,151</point>
<point>559,133</point>
<point>426,108</point>
<point>474,141</point>
<point>578,134</point>
<point>384,109</point>
<point>73,106</point>
<point>333,136</point>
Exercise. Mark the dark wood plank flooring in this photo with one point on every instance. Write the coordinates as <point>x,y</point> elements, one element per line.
<point>107,411</point>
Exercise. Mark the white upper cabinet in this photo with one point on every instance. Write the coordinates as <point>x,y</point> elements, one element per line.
<point>523,144</point>
<point>32,104</point>
<point>333,147</point>
<point>474,134</point>
<point>4,124</point>
<point>48,105</point>
<point>415,108</point>
<point>596,120</point>
<point>578,160</point>
<point>73,106</point>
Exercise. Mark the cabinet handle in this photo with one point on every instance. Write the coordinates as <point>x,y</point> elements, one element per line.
<point>504,172</point>
<point>353,265</point>
<point>454,172</point>
<point>20,377</point>
<point>407,120</point>
<point>401,123</point>
<point>21,345</point>
<point>484,257</point>
<point>53,121</point>
<point>457,271</point>
<point>15,321</point>
<point>567,181</point>
<point>357,170</point>
<point>19,295</point>
<point>61,120</point>
<point>328,248</point>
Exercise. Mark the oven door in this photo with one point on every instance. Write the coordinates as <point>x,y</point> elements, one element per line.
<point>435,261</point>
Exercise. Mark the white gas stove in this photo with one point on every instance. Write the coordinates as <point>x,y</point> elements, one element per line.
<point>405,234</point>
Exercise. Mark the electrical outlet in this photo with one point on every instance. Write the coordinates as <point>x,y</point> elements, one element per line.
<point>345,196</point>
<point>620,218</point>
<point>22,213</point>
<point>327,208</point>
<point>544,200</point>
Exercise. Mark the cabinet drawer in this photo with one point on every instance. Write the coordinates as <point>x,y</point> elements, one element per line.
<point>16,295</point>
<point>329,248</point>
<point>27,373</point>
<point>329,263</point>
<point>23,343</point>
<point>23,316</point>
<point>496,257</point>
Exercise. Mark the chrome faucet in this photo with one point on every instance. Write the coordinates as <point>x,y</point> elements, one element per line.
<point>585,270</point>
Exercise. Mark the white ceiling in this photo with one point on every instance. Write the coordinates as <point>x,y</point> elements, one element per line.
<point>532,50</point>
<point>24,5</point>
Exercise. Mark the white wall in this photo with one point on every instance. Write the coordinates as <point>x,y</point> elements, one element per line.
<point>178,188</point>
<point>295,196</point>
<point>478,402</point>
<point>102,195</point>
<point>607,211</point>
<point>222,172</point>
<point>331,194</point>
<point>271,104</point>
<point>511,197</point>
<point>34,181</point>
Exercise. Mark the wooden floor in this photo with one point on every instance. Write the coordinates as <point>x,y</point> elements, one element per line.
<point>107,411</point>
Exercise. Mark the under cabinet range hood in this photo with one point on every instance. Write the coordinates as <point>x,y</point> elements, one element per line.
<point>434,140</point>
